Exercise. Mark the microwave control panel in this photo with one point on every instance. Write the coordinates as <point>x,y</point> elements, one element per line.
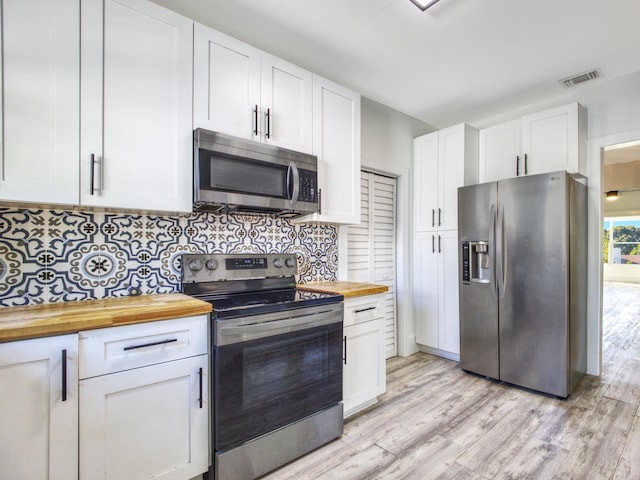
<point>308,187</point>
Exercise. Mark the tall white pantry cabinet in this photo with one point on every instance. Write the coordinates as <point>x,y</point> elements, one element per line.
<point>443,161</point>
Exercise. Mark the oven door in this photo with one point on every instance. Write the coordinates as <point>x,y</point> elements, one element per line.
<point>274,369</point>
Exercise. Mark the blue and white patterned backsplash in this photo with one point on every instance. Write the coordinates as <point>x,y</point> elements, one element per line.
<point>54,256</point>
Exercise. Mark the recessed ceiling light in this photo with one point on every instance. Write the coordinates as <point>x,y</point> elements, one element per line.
<point>424,4</point>
<point>612,195</point>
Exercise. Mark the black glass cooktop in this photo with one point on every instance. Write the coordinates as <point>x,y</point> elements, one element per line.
<point>255,303</point>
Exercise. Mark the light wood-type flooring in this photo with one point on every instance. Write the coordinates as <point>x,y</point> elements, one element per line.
<point>437,422</point>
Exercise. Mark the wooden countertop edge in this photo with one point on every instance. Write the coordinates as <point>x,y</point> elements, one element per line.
<point>51,319</point>
<point>346,289</point>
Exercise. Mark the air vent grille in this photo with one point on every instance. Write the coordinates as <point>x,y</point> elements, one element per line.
<point>581,78</point>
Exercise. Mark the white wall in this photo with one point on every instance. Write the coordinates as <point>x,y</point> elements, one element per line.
<point>387,147</point>
<point>614,117</point>
<point>621,273</point>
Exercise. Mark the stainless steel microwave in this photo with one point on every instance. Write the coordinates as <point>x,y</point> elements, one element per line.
<point>234,174</point>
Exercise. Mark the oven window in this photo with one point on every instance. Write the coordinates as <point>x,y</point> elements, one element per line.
<point>243,176</point>
<point>264,384</point>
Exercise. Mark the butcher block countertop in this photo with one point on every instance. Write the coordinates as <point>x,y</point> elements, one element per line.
<point>18,323</point>
<point>347,289</point>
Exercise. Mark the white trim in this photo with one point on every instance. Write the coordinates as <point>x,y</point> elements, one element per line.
<point>594,236</point>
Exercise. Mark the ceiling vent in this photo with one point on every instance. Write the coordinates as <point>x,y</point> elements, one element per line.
<point>581,78</point>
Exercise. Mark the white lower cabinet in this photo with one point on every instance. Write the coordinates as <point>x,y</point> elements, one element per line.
<point>144,414</point>
<point>436,308</point>
<point>364,352</point>
<point>39,408</point>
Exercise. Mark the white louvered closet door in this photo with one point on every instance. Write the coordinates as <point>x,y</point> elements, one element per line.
<point>372,246</point>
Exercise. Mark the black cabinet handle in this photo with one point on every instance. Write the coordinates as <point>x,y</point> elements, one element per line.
<point>152,344</point>
<point>433,244</point>
<point>433,217</point>
<point>364,309</point>
<point>200,383</point>
<point>517,165</point>
<point>268,118</point>
<point>92,169</point>
<point>439,244</point>
<point>64,375</point>
<point>439,217</point>
<point>255,120</point>
<point>526,169</point>
<point>345,349</point>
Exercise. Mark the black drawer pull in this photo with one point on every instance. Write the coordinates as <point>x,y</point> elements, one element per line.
<point>152,344</point>
<point>200,384</point>
<point>365,309</point>
<point>344,359</point>
<point>64,375</point>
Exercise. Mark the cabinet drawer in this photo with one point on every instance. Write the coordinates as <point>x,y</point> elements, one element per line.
<point>115,349</point>
<point>363,309</point>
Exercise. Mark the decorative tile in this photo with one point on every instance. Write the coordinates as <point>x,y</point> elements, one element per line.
<point>54,256</point>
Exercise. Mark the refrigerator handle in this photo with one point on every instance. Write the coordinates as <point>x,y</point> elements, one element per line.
<point>501,253</point>
<point>492,243</point>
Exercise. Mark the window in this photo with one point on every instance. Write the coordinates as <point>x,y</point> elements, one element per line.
<point>621,240</point>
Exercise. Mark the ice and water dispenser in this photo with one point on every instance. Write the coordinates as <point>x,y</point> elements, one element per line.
<point>476,264</point>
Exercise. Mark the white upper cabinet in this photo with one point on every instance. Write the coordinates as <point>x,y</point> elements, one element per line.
<point>40,101</point>
<point>546,141</point>
<point>555,139</point>
<point>286,104</point>
<point>136,106</point>
<point>336,142</point>
<point>226,84</point>
<point>242,91</point>
<point>500,150</point>
<point>443,161</point>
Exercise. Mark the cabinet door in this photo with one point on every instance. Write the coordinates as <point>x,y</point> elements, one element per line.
<point>448,308</point>
<point>550,140</point>
<point>364,369</point>
<point>40,101</point>
<point>451,171</point>
<point>286,104</point>
<point>136,106</point>
<point>500,150</point>
<point>226,84</point>
<point>425,294</point>
<point>39,417</point>
<point>425,182</point>
<point>145,423</point>
<point>336,143</point>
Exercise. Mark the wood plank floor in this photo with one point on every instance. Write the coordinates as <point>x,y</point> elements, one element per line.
<point>437,422</point>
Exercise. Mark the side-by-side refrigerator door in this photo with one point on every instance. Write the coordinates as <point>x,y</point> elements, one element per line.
<point>532,221</point>
<point>479,348</point>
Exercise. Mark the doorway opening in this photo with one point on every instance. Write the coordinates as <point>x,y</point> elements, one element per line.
<point>621,268</point>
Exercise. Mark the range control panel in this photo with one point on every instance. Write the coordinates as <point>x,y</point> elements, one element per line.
<point>203,267</point>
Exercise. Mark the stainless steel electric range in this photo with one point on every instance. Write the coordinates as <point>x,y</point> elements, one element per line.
<point>276,361</point>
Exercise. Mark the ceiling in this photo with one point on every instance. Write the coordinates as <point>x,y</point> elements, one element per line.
<point>459,61</point>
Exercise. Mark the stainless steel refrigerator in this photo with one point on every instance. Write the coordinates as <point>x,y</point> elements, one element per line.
<point>523,287</point>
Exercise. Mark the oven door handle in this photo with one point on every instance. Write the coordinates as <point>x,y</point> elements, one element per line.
<point>227,334</point>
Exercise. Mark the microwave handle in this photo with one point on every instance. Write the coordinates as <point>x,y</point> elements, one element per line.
<point>293,183</point>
